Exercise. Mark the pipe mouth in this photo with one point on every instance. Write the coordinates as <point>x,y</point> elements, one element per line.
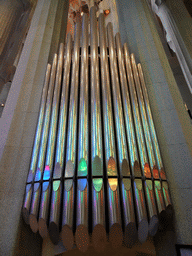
<point>116,236</point>
<point>130,234</point>
<point>33,223</point>
<point>43,230</point>
<point>143,230</point>
<point>99,238</point>
<point>54,232</point>
<point>67,237</point>
<point>153,225</point>
<point>82,238</point>
<point>25,212</point>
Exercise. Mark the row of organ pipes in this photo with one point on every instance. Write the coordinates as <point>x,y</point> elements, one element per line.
<point>96,172</point>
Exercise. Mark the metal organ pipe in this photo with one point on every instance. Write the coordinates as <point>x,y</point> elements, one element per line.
<point>130,235</point>
<point>46,186</point>
<point>98,204</point>
<point>34,157</point>
<point>82,236</point>
<point>71,154</point>
<point>126,186</point>
<point>155,141</point>
<point>67,217</point>
<point>92,156</point>
<point>115,233</point>
<point>42,153</point>
<point>138,185</point>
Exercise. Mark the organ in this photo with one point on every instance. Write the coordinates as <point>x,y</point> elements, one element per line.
<point>96,168</point>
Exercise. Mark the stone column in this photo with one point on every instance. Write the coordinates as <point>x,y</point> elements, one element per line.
<point>18,125</point>
<point>171,120</point>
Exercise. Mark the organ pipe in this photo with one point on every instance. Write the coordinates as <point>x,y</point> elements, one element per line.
<point>138,186</point>
<point>95,155</point>
<point>98,206</point>
<point>42,152</point>
<point>126,186</point>
<point>36,146</point>
<point>82,236</point>
<point>47,174</point>
<point>115,234</point>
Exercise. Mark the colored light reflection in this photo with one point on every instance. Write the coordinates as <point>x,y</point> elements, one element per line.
<point>111,167</point>
<point>82,168</point>
<point>46,175</point>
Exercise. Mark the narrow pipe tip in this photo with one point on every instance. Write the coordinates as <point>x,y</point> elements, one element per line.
<point>43,230</point>
<point>33,223</point>
<point>130,234</point>
<point>143,230</point>
<point>99,238</point>
<point>67,237</point>
<point>25,213</point>
<point>153,225</point>
<point>82,238</point>
<point>116,236</point>
<point>54,232</point>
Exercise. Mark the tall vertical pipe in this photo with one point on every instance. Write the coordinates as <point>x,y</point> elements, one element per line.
<point>46,186</point>
<point>36,146</point>
<point>115,234</point>
<point>128,209</point>
<point>68,201</point>
<point>98,205</point>
<point>42,151</point>
<point>138,187</point>
<point>131,236</point>
<point>141,105</point>
<point>155,172</point>
<point>51,137</point>
<point>62,129</point>
<point>154,140</point>
<point>82,236</point>
<point>151,124</point>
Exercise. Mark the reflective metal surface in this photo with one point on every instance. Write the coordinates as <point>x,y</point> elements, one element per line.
<point>98,201</point>
<point>144,120</point>
<point>34,157</point>
<point>109,139</point>
<point>42,151</point>
<point>136,115</point>
<point>133,154</point>
<point>141,211</point>
<point>118,110</point>
<point>48,170</point>
<point>151,124</point>
<point>71,153</point>
<point>82,171</point>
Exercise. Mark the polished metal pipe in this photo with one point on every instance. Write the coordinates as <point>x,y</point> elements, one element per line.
<point>42,151</point>
<point>155,171</point>
<point>98,204</point>
<point>118,110</point>
<point>115,234</point>
<point>138,186</point>
<point>61,138</point>
<point>135,108</point>
<point>81,235</point>
<point>133,153</point>
<point>154,138</point>
<point>128,210</point>
<point>34,157</point>
<point>47,174</point>
<point>151,124</point>
<point>68,205</point>
<point>141,210</point>
<point>150,197</point>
